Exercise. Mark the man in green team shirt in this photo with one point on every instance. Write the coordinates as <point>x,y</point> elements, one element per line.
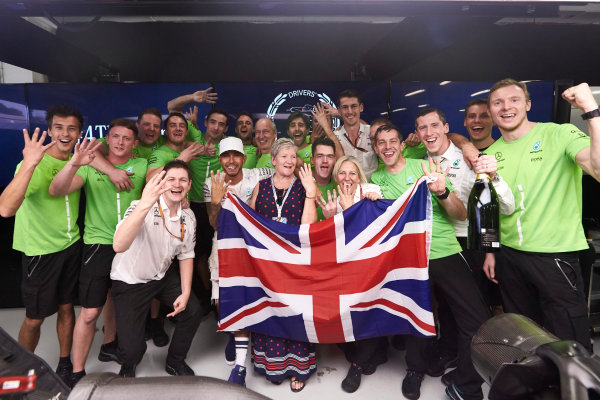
<point>448,270</point>
<point>538,267</point>
<point>149,137</point>
<point>105,207</point>
<point>323,158</point>
<point>244,128</point>
<point>297,129</point>
<point>46,232</point>
<point>265,132</point>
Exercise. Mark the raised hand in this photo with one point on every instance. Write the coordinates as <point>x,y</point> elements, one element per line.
<point>320,115</point>
<point>205,96</point>
<point>329,207</point>
<point>34,148</point>
<point>580,96</point>
<point>346,196</point>
<point>154,188</point>
<point>190,152</point>
<point>437,185</point>
<point>330,110</point>
<point>192,116</point>
<point>218,188</point>
<point>84,152</point>
<point>308,181</point>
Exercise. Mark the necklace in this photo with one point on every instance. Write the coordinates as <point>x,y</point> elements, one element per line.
<point>162,215</point>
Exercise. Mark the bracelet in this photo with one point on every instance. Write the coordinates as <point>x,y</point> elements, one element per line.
<point>444,195</point>
<point>306,197</point>
<point>591,114</point>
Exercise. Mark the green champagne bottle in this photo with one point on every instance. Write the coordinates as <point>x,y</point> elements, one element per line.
<point>483,215</point>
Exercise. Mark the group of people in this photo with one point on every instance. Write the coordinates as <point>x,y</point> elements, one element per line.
<point>151,198</point>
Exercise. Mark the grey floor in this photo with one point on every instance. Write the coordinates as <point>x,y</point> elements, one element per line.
<point>206,357</point>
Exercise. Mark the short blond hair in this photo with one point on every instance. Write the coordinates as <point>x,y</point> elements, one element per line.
<point>338,164</point>
<point>508,82</point>
<point>280,144</point>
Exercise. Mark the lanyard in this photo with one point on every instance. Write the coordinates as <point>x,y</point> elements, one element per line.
<point>353,145</point>
<point>162,215</point>
<point>287,192</point>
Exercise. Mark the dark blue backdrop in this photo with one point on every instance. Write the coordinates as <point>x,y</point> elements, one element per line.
<point>23,106</point>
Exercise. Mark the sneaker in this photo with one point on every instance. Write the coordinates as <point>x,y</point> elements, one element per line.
<point>108,352</point>
<point>76,377</point>
<point>127,371</point>
<point>230,350</point>
<point>178,368</point>
<point>411,385</point>
<point>238,375</point>
<point>455,393</point>
<point>449,377</point>
<point>159,336</point>
<point>64,371</point>
<point>351,383</point>
<point>443,362</point>
<point>370,366</point>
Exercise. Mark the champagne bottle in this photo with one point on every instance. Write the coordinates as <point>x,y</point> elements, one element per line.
<point>483,215</point>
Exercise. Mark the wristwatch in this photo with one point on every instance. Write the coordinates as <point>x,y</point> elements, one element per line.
<point>591,114</point>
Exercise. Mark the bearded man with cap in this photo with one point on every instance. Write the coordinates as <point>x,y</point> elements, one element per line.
<point>239,181</point>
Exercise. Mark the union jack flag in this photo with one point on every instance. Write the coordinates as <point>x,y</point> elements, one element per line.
<point>360,274</point>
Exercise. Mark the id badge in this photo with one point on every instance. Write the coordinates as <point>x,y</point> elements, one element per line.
<point>283,220</point>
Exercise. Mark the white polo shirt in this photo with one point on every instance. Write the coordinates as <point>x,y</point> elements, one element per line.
<point>368,159</point>
<point>463,178</point>
<point>150,255</point>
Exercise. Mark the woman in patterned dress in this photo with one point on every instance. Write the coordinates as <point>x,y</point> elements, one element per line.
<point>282,198</point>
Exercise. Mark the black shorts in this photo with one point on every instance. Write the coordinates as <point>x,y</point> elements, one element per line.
<point>204,231</point>
<point>94,278</point>
<point>50,280</point>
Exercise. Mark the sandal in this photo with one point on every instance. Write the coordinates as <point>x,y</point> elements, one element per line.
<point>276,382</point>
<point>296,380</point>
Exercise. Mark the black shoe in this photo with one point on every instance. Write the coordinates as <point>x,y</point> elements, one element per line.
<point>449,377</point>
<point>411,385</point>
<point>64,371</point>
<point>443,362</point>
<point>178,368</point>
<point>127,371</point>
<point>455,393</point>
<point>159,336</point>
<point>108,352</point>
<point>76,377</point>
<point>351,383</point>
<point>370,366</point>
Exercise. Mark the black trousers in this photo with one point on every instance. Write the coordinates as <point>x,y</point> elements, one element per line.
<point>490,291</point>
<point>451,278</point>
<point>548,288</point>
<point>361,351</point>
<point>131,307</point>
